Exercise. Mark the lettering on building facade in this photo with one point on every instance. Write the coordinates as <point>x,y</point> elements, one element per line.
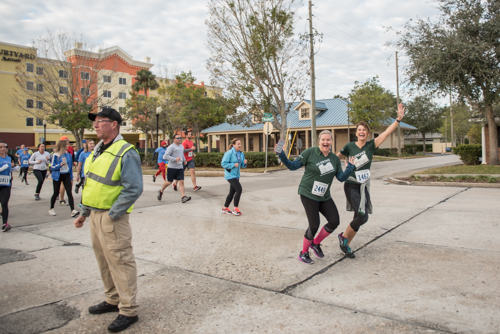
<point>15,56</point>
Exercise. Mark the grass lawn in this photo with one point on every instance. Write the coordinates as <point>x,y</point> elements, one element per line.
<point>464,169</point>
<point>215,171</point>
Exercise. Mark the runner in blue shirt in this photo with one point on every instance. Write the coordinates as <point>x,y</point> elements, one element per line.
<point>80,175</point>
<point>23,160</point>
<point>162,163</point>
<point>6,166</point>
<point>18,154</point>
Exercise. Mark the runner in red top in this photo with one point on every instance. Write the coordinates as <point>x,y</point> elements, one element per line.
<point>188,144</point>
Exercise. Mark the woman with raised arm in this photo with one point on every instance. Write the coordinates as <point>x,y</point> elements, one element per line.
<point>321,166</point>
<point>357,186</point>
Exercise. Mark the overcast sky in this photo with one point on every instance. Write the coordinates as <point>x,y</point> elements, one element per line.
<point>174,33</point>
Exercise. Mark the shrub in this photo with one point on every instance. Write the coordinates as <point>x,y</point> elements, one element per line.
<point>414,148</point>
<point>469,154</point>
<point>255,159</point>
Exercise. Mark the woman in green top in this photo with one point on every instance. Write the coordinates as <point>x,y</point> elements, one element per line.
<point>321,166</point>
<point>357,186</point>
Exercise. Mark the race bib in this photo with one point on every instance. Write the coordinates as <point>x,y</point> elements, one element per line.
<point>362,175</point>
<point>190,154</point>
<point>25,162</point>
<point>4,180</point>
<point>64,169</point>
<point>319,188</point>
<point>361,161</point>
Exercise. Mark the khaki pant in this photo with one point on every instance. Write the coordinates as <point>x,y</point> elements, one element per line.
<point>112,243</point>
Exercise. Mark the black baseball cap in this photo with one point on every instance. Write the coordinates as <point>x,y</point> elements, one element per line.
<point>110,113</point>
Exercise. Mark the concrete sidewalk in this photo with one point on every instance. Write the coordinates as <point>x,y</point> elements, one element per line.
<point>426,261</point>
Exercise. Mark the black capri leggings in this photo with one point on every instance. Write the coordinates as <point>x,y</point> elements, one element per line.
<point>66,180</point>
<point>327,208</point>
<point>40,176</point>
<point>353,196</point>
<point>24,172</point>
<point>234,191</point>
<point>4,198</point>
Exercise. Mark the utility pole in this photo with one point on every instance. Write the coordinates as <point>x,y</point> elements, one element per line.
<point>313,89</point>
<point>397,98</point>
<point>451,124</point>
<point>348,126</point>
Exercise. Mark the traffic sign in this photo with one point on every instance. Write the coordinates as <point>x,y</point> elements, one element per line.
<point>41,140</point>
<point>268,128</point>
<point>268,117</point>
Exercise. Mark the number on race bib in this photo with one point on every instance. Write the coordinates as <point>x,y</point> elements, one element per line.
<point>4,180</point>
<point>319,188</point>
<point>25,162</point>
<point>190,154</point>
<point>362,175</point>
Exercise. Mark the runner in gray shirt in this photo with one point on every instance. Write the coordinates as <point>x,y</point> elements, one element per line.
<point>175,169</point>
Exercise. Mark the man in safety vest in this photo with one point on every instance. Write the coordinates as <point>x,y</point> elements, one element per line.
<point>113,183</point>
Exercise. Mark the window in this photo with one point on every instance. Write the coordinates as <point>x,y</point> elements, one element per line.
<point>107,93</point>
<point>121,109</point>
<point>29,103</point>
<point>39,71</point>
<point>106,78</point>
<point>205,94</point>
<point>39,88</point>
<point>85,75</point>
<point>39,121</point>
<point>63,74</point>
<point>304,113</point>
<point>29,85</point>
<point>30,67</point>
<point>39,104</point>
<point>29,121</point>
<point>122,81</point>
<point>63,90</point>
<point>124,124</point>
<point>122,96</point>
<point>84,91</point>
<point>103,107</point>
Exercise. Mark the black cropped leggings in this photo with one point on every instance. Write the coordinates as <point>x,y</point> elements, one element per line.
<point>40,176</point>
<point>66,180</point>
<point>313,208</point>
<point>353,195</point>
<point>4,198</point>
<point>235,190</point>
<point>24,172</point>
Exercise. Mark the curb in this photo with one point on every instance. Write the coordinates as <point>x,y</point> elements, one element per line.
<point>443,184</point>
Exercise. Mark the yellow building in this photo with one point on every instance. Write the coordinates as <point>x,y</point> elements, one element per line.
<point>28,82</point>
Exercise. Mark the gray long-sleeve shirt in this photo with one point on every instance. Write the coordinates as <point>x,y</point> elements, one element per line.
<point>131,179</point>
<point>173,152</point>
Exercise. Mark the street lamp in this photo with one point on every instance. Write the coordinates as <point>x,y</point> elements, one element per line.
<point>45,132</point>
<point>158,112</point>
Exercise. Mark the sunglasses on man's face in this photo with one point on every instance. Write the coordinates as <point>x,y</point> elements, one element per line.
<point>178,138</point>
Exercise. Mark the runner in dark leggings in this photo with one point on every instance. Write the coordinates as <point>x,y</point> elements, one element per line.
<point>40,160</point>
<point>357,186</point>
<point>62,173</point>
<point>6,167</point>
<point>232,162</point>
<point>321,166</point>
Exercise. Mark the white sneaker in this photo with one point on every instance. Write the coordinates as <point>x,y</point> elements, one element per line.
<point>52,212</point>
<point>74,213</point>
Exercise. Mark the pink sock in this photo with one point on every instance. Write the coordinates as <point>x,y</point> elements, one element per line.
<point>322,235</point>
<point>305,246</point>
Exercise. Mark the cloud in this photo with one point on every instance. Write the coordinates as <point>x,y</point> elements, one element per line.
<point>174,33</point>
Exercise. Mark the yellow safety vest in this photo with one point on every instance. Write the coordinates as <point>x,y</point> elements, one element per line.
<point>103,177</point>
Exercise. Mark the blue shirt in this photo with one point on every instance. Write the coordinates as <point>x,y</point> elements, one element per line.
<point>82,157</point>
<point>77,154</point>
<point>5,174</point>
<point>161,152</point>
<point>24,158</point>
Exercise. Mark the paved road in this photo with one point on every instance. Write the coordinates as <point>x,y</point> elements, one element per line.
<point>427,261</point>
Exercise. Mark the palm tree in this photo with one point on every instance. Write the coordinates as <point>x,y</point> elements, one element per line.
<point>145,80</point>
